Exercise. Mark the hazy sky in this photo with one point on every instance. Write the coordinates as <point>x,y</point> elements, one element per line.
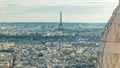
<point>48,10</point>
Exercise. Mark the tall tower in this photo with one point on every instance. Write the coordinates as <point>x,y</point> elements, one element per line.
<point>109,53</point>
<point>60,25</point>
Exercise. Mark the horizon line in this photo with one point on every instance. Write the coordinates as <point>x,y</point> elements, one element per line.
<point>50,22</point>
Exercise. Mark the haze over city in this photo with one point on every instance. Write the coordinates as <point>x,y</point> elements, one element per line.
<point>59,34</point>
<point>48,10</point>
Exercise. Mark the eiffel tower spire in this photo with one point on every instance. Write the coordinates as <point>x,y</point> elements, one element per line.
<point>60,25</point>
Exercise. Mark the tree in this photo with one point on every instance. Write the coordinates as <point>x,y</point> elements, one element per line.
<point>40,54</point>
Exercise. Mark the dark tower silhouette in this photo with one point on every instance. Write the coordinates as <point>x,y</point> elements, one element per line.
<point>60,25</point>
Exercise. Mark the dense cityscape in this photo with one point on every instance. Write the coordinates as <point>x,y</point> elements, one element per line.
<point>42,45</point>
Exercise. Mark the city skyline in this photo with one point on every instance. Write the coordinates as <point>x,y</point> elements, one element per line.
<point>48,11</point>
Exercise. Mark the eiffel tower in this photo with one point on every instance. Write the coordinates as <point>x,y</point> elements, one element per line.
<point>60,25</point>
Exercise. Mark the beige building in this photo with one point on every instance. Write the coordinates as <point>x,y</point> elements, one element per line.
<point>109,55</point>
<point>6,60</point>
<point>4,64</point>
